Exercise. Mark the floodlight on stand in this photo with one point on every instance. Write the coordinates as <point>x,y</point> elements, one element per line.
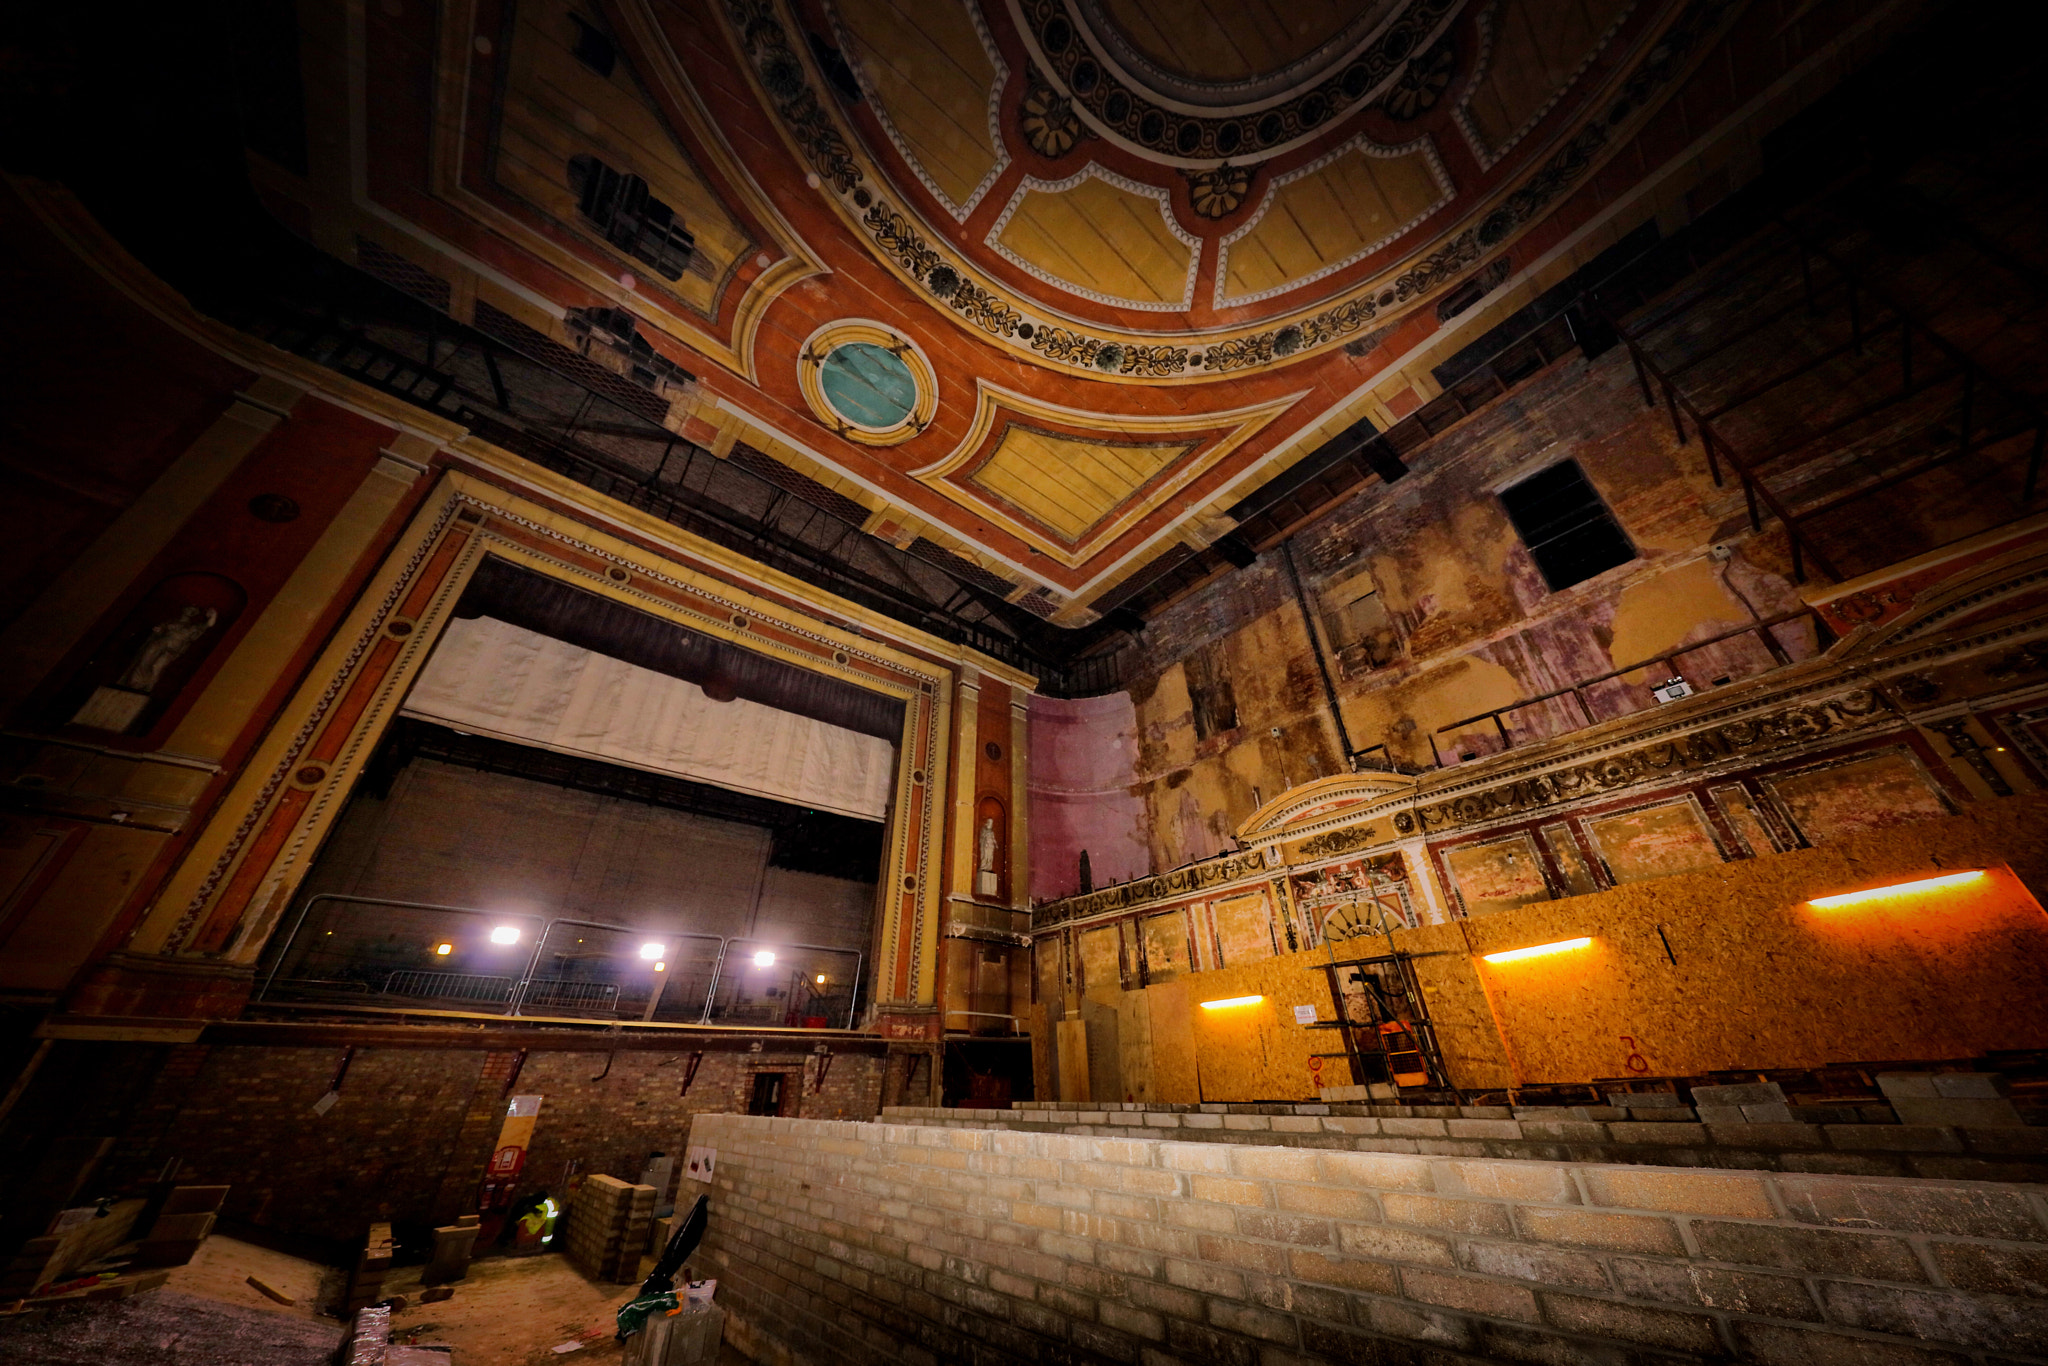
<point>505,934</point>
<point>765,958</point>
<point>651,950</point>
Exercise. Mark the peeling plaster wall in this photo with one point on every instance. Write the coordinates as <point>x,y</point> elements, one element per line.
<point>1083,755</point>
<point>1473,625</point>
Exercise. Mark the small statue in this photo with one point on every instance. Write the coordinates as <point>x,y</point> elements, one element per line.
<point>167,640</point>
<point>985,882</point>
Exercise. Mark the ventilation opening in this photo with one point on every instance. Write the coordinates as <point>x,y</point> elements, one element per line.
<point>593,48</point>
<point>1569,531</point>
<point>619,207</point>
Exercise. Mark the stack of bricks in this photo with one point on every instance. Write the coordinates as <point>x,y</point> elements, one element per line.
<point>891,1243</point>
<point>1972,1142</point>
<point>366,1282</point>
<point>608,1225</point>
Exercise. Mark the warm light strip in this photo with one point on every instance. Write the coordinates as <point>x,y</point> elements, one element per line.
<point>1537,950</point>
<point>1925,884</point>
<point>1232,1001</point>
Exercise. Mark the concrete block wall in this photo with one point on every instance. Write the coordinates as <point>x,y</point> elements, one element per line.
<point>1996,1152</point>
<point>608,1223</point>
<point>844,1242</point>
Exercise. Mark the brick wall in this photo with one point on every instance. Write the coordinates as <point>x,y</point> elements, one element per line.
<point>845,1242</point>
<point>409,1136</point>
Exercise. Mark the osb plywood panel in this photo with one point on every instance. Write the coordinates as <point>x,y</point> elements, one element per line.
<point>1244,928</point>
<point>1099,1015</point>
<point>931,77</point>
<point>1102,239</point>
<point>1885,789</point>
<point>1101,965</point>
<point>1166,945</point>
<point>1258,1052</point>
<point>1066,483</point>
<point>1762,978</point>
<point>1173,1073</point>
<point>555,98</point>
<point>1038,1022</point>
<point>1134,1046</point>
<point>1072,1041</point>
<point>1327,217</point>
<point>1536,47</point>
<point>1498,876</point>
<point>1655,841</point>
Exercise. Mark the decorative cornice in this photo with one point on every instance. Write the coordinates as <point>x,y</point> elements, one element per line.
<point>784,74</point>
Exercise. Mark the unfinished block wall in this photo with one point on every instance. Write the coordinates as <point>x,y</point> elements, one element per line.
<point>845,1242</point>
<point>608,1222</point>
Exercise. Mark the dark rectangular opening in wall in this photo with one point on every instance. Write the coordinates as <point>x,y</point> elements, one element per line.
<point>1568,529</point>
<point>768,1091</point>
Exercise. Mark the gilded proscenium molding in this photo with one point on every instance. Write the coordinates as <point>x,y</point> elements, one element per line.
<point>760,31</point>
<point>1196,877</point>
<point>230,891</point>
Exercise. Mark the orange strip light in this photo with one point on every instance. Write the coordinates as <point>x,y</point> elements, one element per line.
<point>1538,950</point>
<point>1232,1001</point>
<point>1925,884</point>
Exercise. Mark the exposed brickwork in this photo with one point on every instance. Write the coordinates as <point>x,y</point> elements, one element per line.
<point>880,1243</point>
<point>408,1139</point>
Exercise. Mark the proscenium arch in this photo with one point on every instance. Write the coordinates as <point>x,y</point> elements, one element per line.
<point>230,891</point>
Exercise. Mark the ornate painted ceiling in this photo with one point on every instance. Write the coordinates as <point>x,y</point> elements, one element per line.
<point>1049,283</point>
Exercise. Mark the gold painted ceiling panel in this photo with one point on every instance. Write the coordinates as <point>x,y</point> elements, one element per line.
<point>1326,216</point>
<point>1534,50</point>
<point>932,81</point>
<point>1105,241</point>
<point>1070,484</point>
<point>559,108</point>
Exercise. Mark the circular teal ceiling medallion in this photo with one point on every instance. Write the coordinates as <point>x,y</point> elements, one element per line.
<point>868,385</point>
<point>867,382</point>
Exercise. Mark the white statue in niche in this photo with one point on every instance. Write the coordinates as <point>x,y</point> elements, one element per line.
<point>118,707</point>
<point>166,641</point>
<point>985,882</point>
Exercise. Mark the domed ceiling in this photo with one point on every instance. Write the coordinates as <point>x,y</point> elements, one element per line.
<point>1176,190</point>
<point>1047,283</point>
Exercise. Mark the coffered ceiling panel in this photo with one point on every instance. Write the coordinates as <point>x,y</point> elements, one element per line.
<point>1069,484</point>
<point>562,108</point>
<point>1534,50</point>
<point>1327,215</point>
<point>932,79</point>
<point>1106,239</point>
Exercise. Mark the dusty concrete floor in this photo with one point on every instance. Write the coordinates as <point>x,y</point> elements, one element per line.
<point>510,1311</point>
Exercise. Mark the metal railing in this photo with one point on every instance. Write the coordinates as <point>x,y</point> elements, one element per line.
<point>590,966</point>
<point>1760,628</point>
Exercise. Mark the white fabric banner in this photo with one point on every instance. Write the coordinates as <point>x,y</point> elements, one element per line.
<point>492,678</point>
